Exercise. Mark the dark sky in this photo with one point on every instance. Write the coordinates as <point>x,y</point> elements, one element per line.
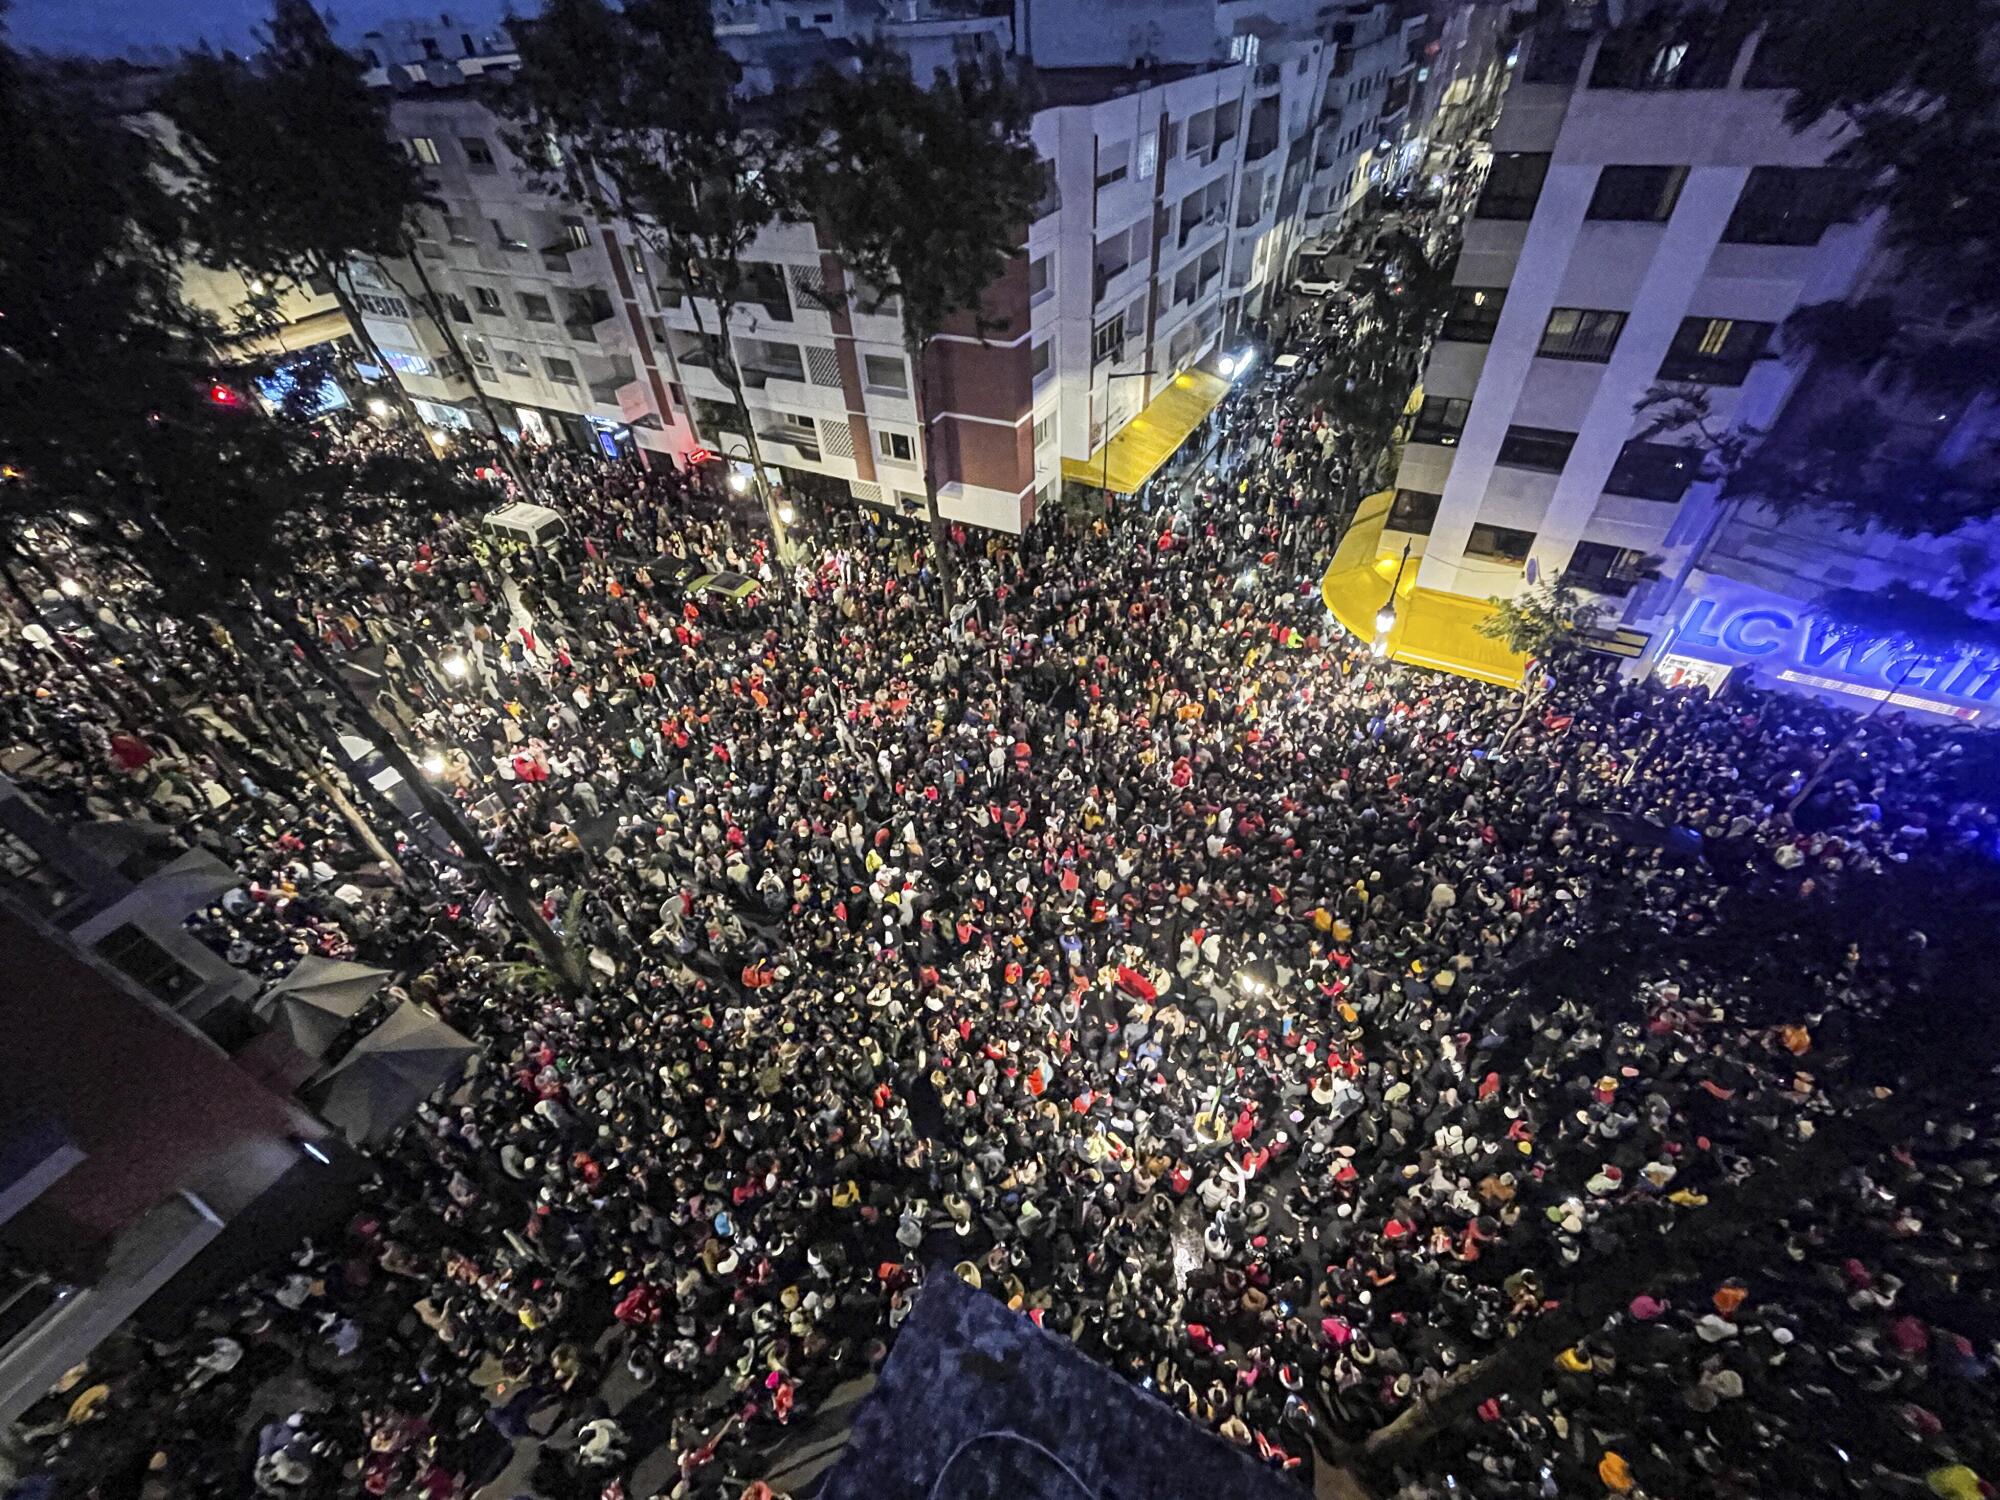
<point>112,27</point>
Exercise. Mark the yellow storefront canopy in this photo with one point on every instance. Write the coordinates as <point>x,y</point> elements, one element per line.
<point>1150,438</point>
<point>1433,629</point>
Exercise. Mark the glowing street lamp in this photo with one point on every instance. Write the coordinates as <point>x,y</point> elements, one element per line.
<point>1234,366</point>
<point>379,408</point>
<point>739,482</point>
<point>454,665</point>
<point>1385,617</point>
<point>788,513</point>
<point>433,763</point>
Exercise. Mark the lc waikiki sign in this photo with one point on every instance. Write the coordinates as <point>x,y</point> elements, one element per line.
<point>1779,636</point>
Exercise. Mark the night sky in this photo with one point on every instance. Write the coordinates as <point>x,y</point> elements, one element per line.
<point>113,27</point>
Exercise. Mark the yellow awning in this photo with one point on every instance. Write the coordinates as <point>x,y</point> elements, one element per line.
<point>1433,629</point>
<point>1150,438</point>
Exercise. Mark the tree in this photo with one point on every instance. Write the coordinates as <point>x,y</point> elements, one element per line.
<point>114,420</point>
<point>1915,91</point>
<point>291,173</point>
<point>633,110</point>
<point>1548,622</point>
<point>927,194</point>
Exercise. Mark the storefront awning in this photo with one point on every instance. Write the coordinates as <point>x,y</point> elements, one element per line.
<point>1150,438</point>
<point>1433,629</point>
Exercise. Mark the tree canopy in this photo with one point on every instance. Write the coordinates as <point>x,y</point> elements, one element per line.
<point>294,170</point>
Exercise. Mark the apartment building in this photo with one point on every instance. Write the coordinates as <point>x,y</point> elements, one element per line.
<point>1181,158</point>
<point>1648,218</point>
<point>136,1156</point>
<point>1363,140</point>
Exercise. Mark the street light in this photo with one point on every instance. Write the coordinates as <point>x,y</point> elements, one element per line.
<point>379,408</point>
<point>433,763</point>
<point>1385,617</point>
<point>1234,365</point>
<point>787,513</point>
<point>738,481</point>
<point>454,665</point>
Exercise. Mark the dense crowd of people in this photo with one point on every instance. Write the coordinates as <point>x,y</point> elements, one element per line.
<point>1121,939</point>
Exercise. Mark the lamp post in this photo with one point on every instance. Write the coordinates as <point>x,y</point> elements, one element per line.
<point>1105,484</point>
<point>1385,617</point>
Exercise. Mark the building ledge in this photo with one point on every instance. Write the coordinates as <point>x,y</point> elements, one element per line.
<point>1433,629</point>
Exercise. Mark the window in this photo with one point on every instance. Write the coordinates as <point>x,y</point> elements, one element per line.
<point>1513,185</point>
<point>1414,510</point>
<point>1170,140</point>
<point>455,305</point>
<point>476,350</point>
<point>1038,359</point>
<point>885,374</point>
<point>515,361</point>
<point>1474,314</point>
<point>457,230</point>
<point>576,233</point>
<point>1541,448</point>
<point>1045,430</point>
<point>1605,569</point>
<point>1790,205</point>
<point>561,371</point>
<point>1107,340</point>
<point>1715,351</point>
<point>506,237</point>
<point>536,308</point>
<point>1653,471</point>
<point>1637,194</point>
<point>478,155</point>
<point>1113,164</point>
<point>1499,544</point>
<point>1440,420</point>
<point>143,961</point>
<point>896,447</point>
<point>1580,333</point>
<point>487,301</point>
<point>424,149</point>
<point>1039,282</point>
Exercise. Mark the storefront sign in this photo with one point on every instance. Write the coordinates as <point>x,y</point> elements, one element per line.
<point>1784,636</point>
<point>1675,670</point>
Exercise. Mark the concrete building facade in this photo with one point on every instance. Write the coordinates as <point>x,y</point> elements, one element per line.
<point>1183,161</point>
<point>1636,228</point>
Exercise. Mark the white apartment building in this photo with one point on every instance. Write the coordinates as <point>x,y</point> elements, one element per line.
<point>1362,140</point>
<point>1182,159</point>
<point>1645,219</point>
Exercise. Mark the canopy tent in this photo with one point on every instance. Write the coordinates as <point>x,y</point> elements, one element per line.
<point>115,840</point>
<point>195,880</point>
<point>313,1004</point>
<point>390,1072</point>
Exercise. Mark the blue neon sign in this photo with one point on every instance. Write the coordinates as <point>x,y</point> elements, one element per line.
<point>1775,634</point>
